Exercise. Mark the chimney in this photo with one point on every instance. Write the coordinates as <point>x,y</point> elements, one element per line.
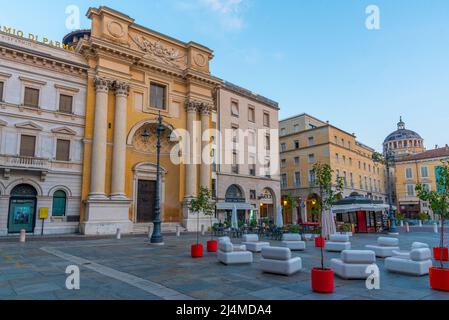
<point>436,146</point>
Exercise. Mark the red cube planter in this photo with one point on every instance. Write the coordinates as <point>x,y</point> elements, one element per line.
<point>439,278</point>
<point>320,242</point>
<point>322,280</point>
<point>441,254</point>
<point>212,246</point>
<point>197,250</point>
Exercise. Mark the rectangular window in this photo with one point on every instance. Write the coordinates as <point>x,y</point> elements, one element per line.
<point>283,147</point>
<point>310,141</point>
<point>31,98</point>
<point>360,182</point>
<point>424,172</point>
<point>297,179</point>
<point>234,108</point>
<point>267,143</point>
<point>235,166</point>
<point>410,190</point>
<point>27,146</point>
<point>266,119</point>
<point>1,90</point>
<point>157,96</point>
<point>284,182</point>
<point>352,180</point>
<point>65,103</point>
<point>63,150</point>
<point>408,173</point>
<point>283,163</point>
<point>296,128</point>
<point>311,158</point>
<point>252,170</point>
<point>283,132</point>
<point>296,144</point>
<point>297,161</point>
<point>311,177</point>
<point>251,114</point>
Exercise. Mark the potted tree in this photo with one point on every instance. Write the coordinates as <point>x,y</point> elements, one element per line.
<point>323,278</point>
<point>439,202</point>
<point>203,204</point>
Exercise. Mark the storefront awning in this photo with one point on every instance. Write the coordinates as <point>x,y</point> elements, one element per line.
<point>360,207</point>
<point>230,206</point>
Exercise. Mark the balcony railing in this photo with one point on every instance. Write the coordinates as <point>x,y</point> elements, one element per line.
<point>24,162</point>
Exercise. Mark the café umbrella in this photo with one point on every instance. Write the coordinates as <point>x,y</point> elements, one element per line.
<point>279,218</point>
<point>234,220</point>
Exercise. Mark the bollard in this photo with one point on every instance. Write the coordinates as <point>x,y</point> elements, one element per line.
<point>402,223</point>
<point>22,235</point>
<point>420,223</point>
<point>203,230</point>
<point>435,228</point>
<point>407,227</point>
<point>178,231</point>
<point>118,234</point>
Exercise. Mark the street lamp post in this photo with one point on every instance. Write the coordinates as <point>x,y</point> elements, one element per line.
<point>389,158</point>
<point>156,237</point>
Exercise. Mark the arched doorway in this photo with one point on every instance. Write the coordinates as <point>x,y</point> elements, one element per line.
<point>267,205</point>
<point>234,194</point>
<point>22,209</point>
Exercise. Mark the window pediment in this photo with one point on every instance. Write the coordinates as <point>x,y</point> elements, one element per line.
<point>64,130</point>
<point>29,125</point>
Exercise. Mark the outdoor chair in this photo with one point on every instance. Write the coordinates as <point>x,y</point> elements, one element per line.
<point>279,261</point>
<point>338,243</point>
<point>236,247</point>
<point>406,254</point>
<point>385,247</point>
<point>353,264</point>
<point>227,255</point>
<point>293,242</point>
<point>252,243</point>
<point>417,265</point>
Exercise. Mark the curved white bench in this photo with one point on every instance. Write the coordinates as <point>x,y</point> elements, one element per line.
<point>338,243</point>
<point>227,255</point>
<point>418,265</point>
<point>279,261</point>
<point>385,247</point>
<point>236,247</point>
<point>252,243</point>
<point>293,242</point>
<point>353,264</point>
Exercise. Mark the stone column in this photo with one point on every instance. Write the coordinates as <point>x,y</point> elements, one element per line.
<point>119,151</point>
<point>191,166</point>
<point>99,148</point>
<point>205,163</point>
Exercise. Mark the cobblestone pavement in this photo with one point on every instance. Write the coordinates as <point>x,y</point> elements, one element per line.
<point>132,269</point>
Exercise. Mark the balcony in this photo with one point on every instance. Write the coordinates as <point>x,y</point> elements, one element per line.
<point>9,163</point>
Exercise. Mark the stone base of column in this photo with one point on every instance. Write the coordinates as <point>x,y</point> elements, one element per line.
<point>105,216</point>
<point>190,219</point>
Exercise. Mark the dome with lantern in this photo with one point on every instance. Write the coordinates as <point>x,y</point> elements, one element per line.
<point>403,142</point>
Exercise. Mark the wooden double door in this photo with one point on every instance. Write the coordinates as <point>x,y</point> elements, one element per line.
<point>146,199</point>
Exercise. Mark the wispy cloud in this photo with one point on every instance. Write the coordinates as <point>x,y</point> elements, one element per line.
<point>228,12</point>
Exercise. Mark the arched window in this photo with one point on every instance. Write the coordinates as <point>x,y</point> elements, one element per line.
<point>234,194</point>
<point>59,203</point>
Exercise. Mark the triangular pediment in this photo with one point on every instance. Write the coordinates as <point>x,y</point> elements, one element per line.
<point>64,130</point>
<point>3,123</point>
<point>29,125</point>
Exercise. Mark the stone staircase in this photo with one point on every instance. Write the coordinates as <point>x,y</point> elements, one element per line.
<point>167,227</point>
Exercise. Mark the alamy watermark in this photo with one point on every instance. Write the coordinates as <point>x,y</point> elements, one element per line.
<point>72,281</point>
<point>372,21</point>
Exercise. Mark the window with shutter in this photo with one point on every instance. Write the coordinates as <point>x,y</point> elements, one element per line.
<point>65,103</point>
<point>59,203</point>
<point>1,91</point>
<point>157,96</point>
<point>234,109</point>
<point>251,114</point>
<point>27,146</point>
<point>62,150</point>
<point>31,98</point>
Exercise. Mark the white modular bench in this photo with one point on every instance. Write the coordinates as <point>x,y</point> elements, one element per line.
<point>385,247</point>
<point>293,242</point>
<point>338,243</point>
<point>252,243</point>
<point>279,260</point>
<point>417,265</point>
<point>227,255</point>
<point>236,247</point>
<point>353,264</point>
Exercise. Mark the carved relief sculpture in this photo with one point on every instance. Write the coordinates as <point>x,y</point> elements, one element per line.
<point>157,50</point>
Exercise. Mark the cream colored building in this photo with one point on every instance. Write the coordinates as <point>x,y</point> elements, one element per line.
<point>42,121</point>
<point>247,167</point>
<point>306,140</point>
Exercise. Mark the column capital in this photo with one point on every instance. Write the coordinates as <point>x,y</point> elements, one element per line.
<point>102,84</point>
<point>199,106</point>
<point>121,88</point>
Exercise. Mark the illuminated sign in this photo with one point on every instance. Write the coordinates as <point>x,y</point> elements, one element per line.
<point>34,37</point>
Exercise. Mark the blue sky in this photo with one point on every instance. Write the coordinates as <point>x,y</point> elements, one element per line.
<point>313,56</point>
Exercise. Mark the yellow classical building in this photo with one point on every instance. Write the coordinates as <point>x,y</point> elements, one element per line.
<point>134,74</point>
<point>306,140</point>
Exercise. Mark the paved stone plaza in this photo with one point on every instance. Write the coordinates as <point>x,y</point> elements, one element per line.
<point>132,269</point>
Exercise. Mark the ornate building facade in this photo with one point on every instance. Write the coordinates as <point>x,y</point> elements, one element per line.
<point>42,121</point>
